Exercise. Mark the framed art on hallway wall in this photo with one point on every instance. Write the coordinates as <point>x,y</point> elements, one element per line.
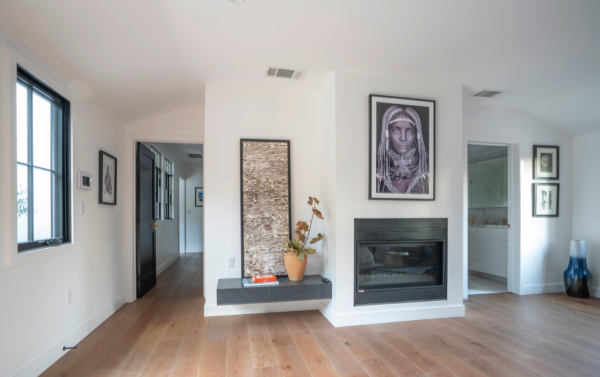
<point>545,162</point>
<point>401,148</point>
<point>108,179</point>
<point>546,198</point>
<point>199,197</point>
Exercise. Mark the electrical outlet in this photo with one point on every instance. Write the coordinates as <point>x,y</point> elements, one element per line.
<point>189,211</point>
<point>231,262</point>
<point>82,208</point>
<point>69,297</point>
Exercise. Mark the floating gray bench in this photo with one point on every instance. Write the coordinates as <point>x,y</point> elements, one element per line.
<point>232,291</point>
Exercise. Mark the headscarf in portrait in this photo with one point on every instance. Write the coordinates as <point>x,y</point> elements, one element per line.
<point>384,154</point>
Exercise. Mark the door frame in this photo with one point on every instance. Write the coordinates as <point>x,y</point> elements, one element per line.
<point>515,167</point>
<point>130,204</point>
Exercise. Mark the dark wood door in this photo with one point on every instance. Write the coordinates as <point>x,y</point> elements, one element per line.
<point>145,223</point>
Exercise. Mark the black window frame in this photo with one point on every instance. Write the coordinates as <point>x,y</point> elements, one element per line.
<point>168,196</point>
<point>157,192</point>
<point>35,85</point>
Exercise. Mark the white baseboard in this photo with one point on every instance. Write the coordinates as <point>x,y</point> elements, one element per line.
<point>164,266</point>
<point>271,307</point>
<point>595,291</point>
<point>39,365</point>
<point>374,317</point>
<point>190,250</point>
<point>536,289</point>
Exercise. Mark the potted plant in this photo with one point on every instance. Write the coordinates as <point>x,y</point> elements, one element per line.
<point>295,259</point>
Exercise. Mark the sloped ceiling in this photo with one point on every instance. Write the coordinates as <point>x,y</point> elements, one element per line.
<point>140,57</point>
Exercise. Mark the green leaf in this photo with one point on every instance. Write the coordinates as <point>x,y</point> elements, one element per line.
<point>301,255</point>
<point>296,245</point>
<point>311,251</point>
<point>310,201</point>
<point>316,201</point>
<point>318,214</point>
<point>318,238</point>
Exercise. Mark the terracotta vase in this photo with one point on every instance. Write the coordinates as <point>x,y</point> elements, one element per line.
<point>294,266</point>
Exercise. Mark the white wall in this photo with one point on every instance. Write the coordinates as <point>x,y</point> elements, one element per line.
<point>167,233</point>
<point>186,121</point>
<point>234,112</point>
<point>35,321</point>
<point>194,221</point>
<point>182,214</point>
<point>586,206</point>
<point>544,242</point>
<point>351,191</point>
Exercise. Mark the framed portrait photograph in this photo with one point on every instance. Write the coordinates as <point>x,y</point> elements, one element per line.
<point>546,198</point>
<point>401,148</point>
<point>199,197</point>
<point>108,179</point>
<point>545,162</point>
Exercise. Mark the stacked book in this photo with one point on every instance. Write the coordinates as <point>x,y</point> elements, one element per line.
<point>260,281</point>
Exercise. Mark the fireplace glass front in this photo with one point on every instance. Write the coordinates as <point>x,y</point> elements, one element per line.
<point>398,265</point>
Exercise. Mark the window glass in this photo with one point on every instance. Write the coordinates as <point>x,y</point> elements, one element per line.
<point>22,120</point>
<point>42,204</point>
<point>22,205</point>
<point>41,132</point>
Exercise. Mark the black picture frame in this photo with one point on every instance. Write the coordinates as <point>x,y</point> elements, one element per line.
<point>102,155</point>
<point>196,197</point>
<point>534,209</point>
<point>242,193</point>
<point>539,175</point>
<point>373,127</point>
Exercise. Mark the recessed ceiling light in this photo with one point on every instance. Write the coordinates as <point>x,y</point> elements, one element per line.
<point>237,1</point>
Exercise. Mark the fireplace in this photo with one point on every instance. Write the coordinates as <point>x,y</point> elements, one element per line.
<point>400,260</point>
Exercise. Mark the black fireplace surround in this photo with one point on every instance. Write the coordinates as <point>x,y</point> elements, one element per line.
<point>400,260</point>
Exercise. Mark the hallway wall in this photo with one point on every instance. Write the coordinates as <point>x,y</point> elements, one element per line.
<point>35,320</point>
<point>194,217</point>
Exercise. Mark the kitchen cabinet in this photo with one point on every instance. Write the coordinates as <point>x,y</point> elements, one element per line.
<point>488,251</point>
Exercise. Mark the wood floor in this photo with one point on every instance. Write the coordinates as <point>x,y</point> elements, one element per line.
<point>165,334</point>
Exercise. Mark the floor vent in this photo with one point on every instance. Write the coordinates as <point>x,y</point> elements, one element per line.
<point>283,73</point>
<point>489,94</point>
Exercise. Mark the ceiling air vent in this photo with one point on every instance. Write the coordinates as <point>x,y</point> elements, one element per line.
<point>194,155</point>
<point>293,74</point>
<point>489,94</point>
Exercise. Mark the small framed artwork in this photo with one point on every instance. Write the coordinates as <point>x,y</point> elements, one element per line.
<point>546,198</point>
<point>199,197</point>
<point>108,179</point>
<point>545,162</point>
<point>401,148</point>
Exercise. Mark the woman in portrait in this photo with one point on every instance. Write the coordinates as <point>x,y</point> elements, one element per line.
<point>401,156</point>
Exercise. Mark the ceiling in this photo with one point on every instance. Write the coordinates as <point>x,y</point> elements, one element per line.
<point>184,150</point>
<point>137,58</point>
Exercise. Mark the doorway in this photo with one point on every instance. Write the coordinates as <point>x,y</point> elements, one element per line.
<point>491,208</point>
<point>172,155</point>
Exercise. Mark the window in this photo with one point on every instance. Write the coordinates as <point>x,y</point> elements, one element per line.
<point>157,183</point>
<point>43,193</point>
<point>168,189</point>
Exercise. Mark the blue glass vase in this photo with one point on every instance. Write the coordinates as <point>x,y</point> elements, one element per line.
<point>577,277</point>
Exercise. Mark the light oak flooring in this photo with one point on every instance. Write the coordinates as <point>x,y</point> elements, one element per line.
<point>165,334</point>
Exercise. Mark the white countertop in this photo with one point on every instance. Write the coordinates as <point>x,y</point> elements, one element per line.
<point>488,226</point>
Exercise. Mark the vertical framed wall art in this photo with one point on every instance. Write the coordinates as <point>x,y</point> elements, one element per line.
<point>199,197</point>
<point>108,179</point>
<point>546,197</point>
<point>545,162</point>
<point>401,148</point>
<point>265,205</point>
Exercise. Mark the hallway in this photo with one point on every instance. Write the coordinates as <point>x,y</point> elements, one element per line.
<point>165,334</point>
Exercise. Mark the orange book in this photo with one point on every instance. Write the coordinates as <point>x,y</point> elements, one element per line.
<point>263,278</point>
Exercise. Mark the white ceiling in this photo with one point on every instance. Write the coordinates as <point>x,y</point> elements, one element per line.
<point>140,57</point>
<point>184,150</point>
